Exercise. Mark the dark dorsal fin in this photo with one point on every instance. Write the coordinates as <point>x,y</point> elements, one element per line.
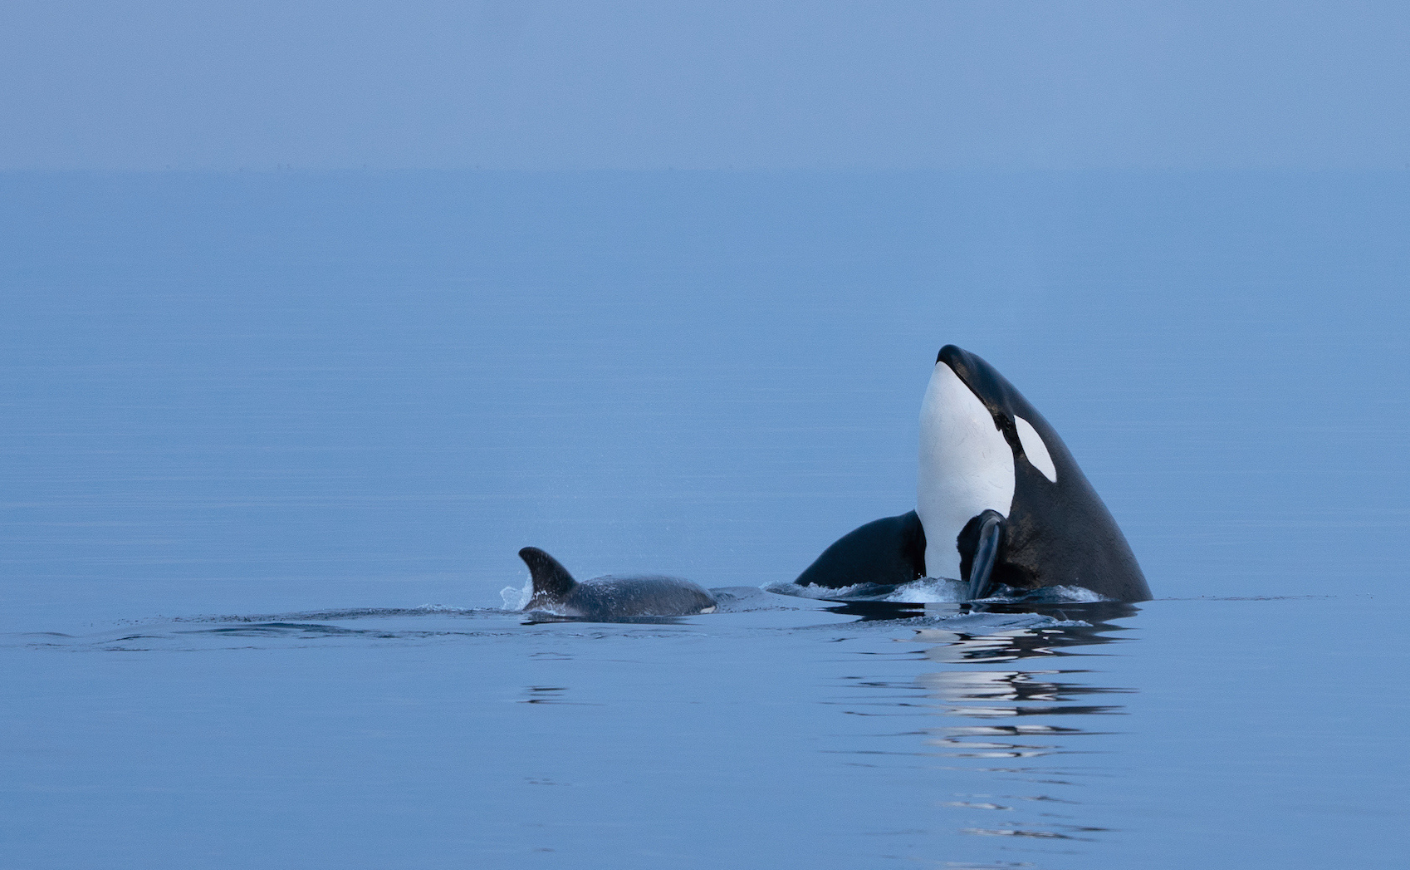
<point>549,576</point>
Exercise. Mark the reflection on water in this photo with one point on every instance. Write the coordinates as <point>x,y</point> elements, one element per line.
<point>1004,733</point>
<point>1004,707</point>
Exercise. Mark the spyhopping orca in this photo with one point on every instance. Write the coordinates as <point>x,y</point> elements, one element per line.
<point>999,500</point>
<point>608,599</point>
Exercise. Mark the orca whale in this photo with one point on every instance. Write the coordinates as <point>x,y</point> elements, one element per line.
<point>609,599</point>
<point>999,501</point>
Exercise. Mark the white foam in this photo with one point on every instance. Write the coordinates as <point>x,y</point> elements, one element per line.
<point>930,590</point>
<point>937,590</point>
<point>1065,595</point>
<point>812,590</point>
<point>517,598</point>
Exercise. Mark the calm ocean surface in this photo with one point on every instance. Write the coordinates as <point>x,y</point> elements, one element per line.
<point>271,443</point>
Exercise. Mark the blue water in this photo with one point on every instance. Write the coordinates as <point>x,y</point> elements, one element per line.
<point>272,442</point>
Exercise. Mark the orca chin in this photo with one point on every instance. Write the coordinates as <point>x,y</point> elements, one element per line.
<point>610,599</point>
<point>1000,501</point>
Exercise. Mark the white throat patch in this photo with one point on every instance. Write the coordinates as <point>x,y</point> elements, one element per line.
<point>966,467</point>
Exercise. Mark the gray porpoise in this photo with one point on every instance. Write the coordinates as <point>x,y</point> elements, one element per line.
<point>609,599</point>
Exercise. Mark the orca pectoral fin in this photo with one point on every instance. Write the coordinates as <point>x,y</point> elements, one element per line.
<point>986,553</point>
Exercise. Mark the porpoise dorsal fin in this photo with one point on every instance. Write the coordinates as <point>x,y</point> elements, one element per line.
<point>549,577</point>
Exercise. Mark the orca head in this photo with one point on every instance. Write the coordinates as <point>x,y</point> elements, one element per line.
<point>979,438</point>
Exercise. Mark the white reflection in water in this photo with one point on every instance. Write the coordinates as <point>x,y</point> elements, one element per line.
<point>972,694</point>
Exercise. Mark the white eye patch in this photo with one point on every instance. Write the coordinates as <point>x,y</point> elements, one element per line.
<point>1034,447</point>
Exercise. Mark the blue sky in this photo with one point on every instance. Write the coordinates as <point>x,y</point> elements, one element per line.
<point>106,84</point>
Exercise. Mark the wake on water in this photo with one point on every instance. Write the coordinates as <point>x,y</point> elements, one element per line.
<point>933,603</point>
<point>938,590</point>
<point>926,590</point>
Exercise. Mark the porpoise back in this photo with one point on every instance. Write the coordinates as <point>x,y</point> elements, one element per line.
<point>609,598</point>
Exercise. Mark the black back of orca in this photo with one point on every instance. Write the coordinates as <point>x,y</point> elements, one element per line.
<point>1056,533</point>
<point>887,552</point>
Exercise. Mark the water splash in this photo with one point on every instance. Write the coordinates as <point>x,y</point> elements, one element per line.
<point>517,598</point>
<point>935,590</point>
